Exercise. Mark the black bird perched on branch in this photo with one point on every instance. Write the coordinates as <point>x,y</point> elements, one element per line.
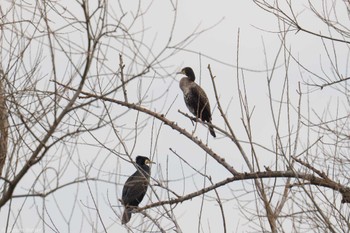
<point>135,187</point>
<point>195,98</point>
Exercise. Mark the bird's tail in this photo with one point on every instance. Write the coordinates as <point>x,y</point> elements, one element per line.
<point>211,130</point>
<point>126,215</point>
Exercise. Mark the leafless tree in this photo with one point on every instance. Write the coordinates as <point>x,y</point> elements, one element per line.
<point>85,87</point>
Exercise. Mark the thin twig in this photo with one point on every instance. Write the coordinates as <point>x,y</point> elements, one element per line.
<point>121,67</point>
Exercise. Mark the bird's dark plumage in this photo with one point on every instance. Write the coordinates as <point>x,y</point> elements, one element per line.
<point>195,98</point>
<point>135,187</point>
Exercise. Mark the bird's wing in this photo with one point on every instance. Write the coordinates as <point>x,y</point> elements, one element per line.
<point>200,103</point>
<point>134,189</point>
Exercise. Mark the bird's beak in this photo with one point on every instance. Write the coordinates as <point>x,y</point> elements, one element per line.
<point>149,162</point>
<point>180,72</point>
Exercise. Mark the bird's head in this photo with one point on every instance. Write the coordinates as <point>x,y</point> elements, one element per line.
<point>188,72</point>
<point>142,160</point>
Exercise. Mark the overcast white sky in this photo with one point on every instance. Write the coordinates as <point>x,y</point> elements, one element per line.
<point>257,42</point>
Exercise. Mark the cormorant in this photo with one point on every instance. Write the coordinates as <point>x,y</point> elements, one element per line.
<point>195,98</point>
<point>135,187</point>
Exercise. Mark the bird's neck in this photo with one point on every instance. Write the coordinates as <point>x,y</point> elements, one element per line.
<point>145,169</point>
<point>191,78</point>
<point>185,84</point>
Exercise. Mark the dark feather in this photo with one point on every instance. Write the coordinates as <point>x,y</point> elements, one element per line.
<point>197,102</point>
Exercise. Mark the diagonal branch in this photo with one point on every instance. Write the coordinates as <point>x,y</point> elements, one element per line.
<point>166,121</point>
